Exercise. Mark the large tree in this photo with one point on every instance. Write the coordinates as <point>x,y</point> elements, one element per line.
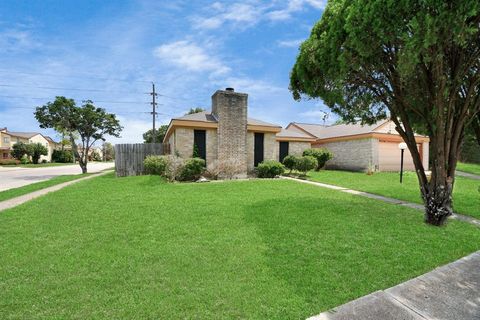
<point>415,61</point>
<point>159,134</point>
<point>87,121</point>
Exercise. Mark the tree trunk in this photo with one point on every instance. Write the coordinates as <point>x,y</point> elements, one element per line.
<point>438,202</point>
<point>476,128</point>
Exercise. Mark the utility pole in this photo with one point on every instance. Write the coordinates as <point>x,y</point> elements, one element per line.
<point>154,113</point>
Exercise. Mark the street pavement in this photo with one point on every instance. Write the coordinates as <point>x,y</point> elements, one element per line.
<point>14,177</point>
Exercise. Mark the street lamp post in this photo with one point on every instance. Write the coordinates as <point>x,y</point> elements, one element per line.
<point>402,146</point>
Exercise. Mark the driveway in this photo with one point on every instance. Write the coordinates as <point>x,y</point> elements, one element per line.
<point>17,177</point>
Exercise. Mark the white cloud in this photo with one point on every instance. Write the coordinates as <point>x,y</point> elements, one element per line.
<point>290,43</point>
<point>17,40</point>
<point>294,6</point>
<point>188,55</point>
<point>241,14</point>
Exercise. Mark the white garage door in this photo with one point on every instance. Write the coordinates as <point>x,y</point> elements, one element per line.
<point>389,157</point>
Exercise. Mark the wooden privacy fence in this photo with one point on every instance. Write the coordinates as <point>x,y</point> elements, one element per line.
<point>129,157</point>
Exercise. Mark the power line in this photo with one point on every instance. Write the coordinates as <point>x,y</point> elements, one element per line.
<point>94,100</point>
<point>69,76</point>
<point>67,89</point>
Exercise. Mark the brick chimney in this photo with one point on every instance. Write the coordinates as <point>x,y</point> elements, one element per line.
<point>230,109</point>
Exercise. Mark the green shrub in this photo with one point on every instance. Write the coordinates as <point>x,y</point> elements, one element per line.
<point>305,164</point>
<point>36,151</point>
<point>290,161</point>
<point>322,155</point>
<point>192,169</point>
<point>24,159</point>
<point>155,165</point>
<point>270,169</point>
<point>62,156</point>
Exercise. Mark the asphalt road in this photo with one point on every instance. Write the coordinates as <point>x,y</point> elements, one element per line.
<point>14,177</point>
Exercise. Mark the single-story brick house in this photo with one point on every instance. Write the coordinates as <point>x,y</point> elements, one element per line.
<point>226,132</point>
<point>356,147</point>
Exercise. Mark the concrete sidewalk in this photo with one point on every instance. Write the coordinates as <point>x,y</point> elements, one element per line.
<point>382,198</point>
<point>10,203</point>
<point>448,292</point>
<point>467,175</point>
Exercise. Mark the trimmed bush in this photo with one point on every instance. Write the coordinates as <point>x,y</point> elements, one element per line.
<point>60,156</point>
<point>290,162</point>
<point>155,165</point>
<point>322,155</point>
<point>305,164</point>
<point>270,169</point>
<point>192,169</point>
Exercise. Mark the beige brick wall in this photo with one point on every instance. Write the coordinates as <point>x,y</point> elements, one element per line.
<point>354,155</point>
<point>182,141</point>
<point>250,150</point>
<point>296,148</point>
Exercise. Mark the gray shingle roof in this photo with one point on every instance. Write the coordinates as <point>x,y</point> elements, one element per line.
<point>289,133</point>
<point>339,130</point>
<point>205,116</point>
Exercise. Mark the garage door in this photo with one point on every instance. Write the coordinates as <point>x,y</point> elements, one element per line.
<point>389,157</point>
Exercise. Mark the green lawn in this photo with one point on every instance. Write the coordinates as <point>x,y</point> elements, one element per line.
<point>469,167</point>
<point>12,193</point>
<point>466,194</point>
<point>264,249</point>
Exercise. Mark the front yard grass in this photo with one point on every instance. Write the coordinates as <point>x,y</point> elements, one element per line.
<point>267,249</point>
<point>466,193</point>
<point>20,191</point>
<point>473,168</point>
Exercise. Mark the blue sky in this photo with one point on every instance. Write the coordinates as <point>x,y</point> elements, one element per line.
<point>110,51</point>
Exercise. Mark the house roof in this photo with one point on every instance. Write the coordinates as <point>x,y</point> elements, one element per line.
<point>339,130</point>
<point>205,116</point>
<point>290,133</point>
<point>25,135</point>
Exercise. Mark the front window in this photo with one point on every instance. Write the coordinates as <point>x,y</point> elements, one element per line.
<point>6,140</point>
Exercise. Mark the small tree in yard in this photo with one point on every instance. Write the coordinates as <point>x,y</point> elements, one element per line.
<point>20,149</point>
<point>36,151</point>
<point>290,162</point>
<point>415,61</point>
<point>305,164</point>
<point>87,121</point>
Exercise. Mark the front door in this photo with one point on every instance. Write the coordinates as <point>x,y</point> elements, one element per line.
<point>258,151</point>
<point>283,150</point>
<point>199,142</point>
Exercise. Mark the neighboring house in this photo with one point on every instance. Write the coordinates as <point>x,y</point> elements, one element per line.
<point>356,147</point>
<point>9,138</point>
<point>227,133</point>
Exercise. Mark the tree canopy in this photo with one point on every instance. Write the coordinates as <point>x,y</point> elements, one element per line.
<point>159,134</point>
<point>88,122</point>
<point>415,61</point>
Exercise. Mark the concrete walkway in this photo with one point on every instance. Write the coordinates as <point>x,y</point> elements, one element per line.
<point>10,203</point>
<point>448,292</point>
<point>384,199</point>
<point>467,175</point>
